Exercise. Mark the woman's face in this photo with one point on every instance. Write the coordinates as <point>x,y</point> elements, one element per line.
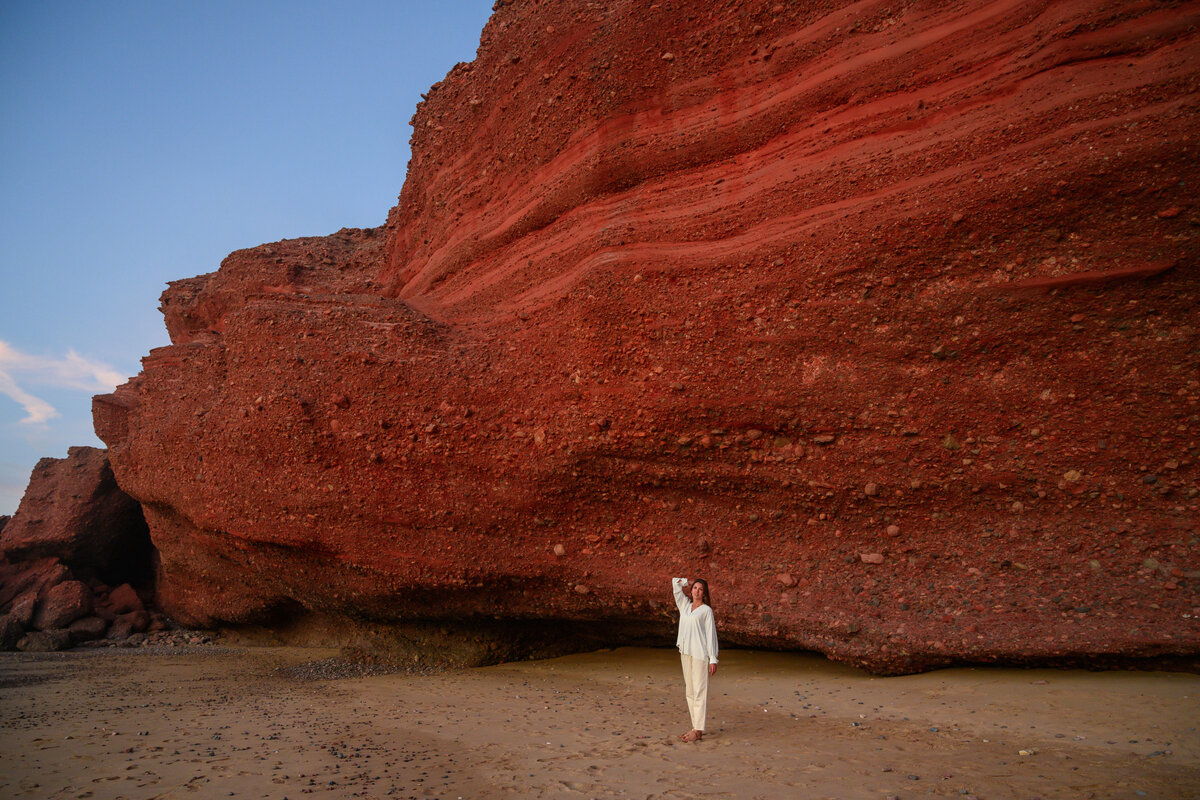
<point>698,591</point>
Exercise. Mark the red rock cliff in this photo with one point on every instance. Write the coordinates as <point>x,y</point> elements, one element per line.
<point>881,316</point>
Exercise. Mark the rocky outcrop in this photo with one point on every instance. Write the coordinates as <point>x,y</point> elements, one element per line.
<point>74,532</point>
<point>74,511</point>
<point>881,316</point>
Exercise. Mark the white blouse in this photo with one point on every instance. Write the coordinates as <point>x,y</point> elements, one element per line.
<point>697,629</point>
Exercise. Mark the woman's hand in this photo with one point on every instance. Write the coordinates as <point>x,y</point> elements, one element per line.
<point>712,669</point>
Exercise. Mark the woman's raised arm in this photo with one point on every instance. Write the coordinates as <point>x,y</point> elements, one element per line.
<point>681,599</point>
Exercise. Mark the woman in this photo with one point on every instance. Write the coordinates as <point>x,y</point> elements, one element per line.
<point>697,643</point>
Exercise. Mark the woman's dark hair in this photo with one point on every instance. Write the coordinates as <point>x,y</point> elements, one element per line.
<point>704,584</point>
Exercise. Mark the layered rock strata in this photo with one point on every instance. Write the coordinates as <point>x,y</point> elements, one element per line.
<point>881,316</point>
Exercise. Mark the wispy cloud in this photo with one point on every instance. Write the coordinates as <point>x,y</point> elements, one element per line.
<point>71,372</point>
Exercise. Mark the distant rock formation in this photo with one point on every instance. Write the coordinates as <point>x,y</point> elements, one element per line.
<point>881,317</point>
<point>74,511</point>
<point>74,537</point>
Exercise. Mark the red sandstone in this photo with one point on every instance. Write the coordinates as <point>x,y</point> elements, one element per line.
<point>637,316</point>
<point>74,530</point>
<point>74,511</point>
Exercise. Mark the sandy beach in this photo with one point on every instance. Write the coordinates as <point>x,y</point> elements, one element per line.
<point>291,722</point>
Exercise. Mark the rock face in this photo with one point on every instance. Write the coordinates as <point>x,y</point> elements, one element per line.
<point>74,533</point>
<point>74,511</point>
<point>895,301</point>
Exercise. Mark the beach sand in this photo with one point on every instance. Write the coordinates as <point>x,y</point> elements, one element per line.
<point>279,722</point>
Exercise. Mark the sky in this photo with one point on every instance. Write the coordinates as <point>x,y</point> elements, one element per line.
<point>141,142</point>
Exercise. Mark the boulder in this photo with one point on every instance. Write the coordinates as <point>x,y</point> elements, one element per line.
<point>62,605</point>
<point>119,629</point>
<point>45,641</point>
<point>139,621</point>
<point>87,629</point>
<point>128,624</point>
<point>122,600</point>
<point>24,607</point>
<point>29,578</point>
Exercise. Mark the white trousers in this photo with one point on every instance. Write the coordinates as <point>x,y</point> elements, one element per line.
<point>695,683</point>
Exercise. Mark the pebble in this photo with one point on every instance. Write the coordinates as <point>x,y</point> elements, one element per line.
<point>871,489</point>
<point>871,558</point>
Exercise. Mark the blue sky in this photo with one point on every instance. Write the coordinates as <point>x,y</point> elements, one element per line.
<point>141,142</point>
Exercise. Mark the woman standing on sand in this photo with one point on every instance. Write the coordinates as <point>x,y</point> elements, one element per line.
<point>697,643</point>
